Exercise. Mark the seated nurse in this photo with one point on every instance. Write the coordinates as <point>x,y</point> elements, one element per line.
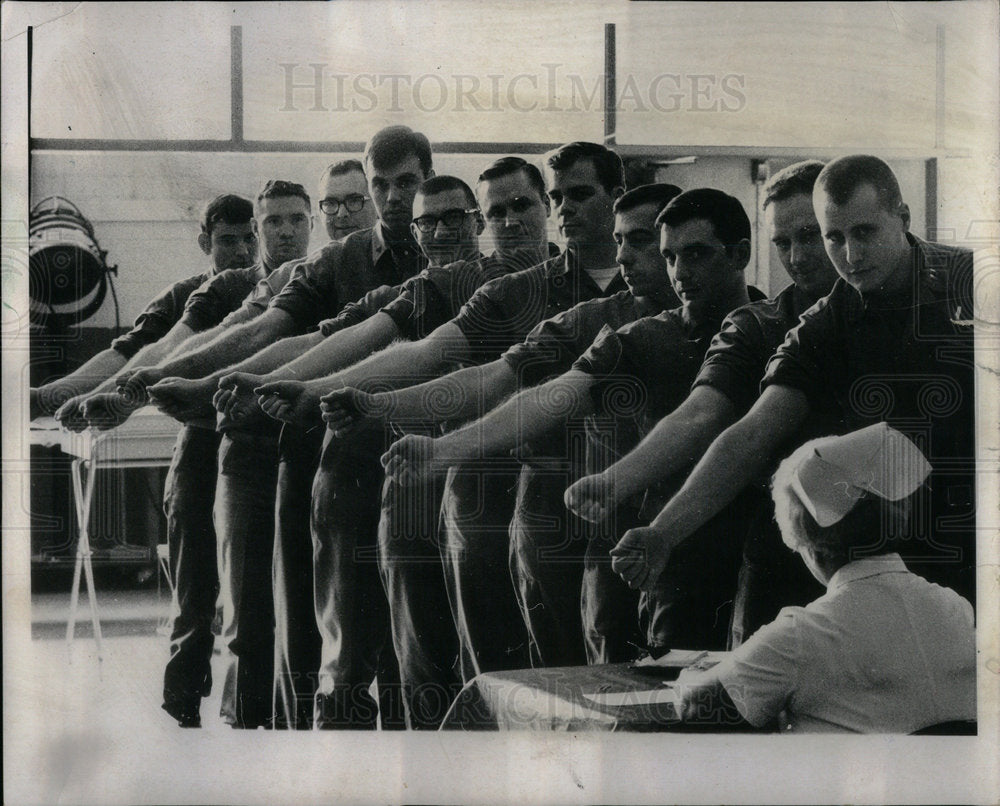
<point>883,651</point>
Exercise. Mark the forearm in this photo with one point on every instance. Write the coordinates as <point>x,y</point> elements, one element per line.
<point>525,417</point>
<point>402,364</point>
<point>677,441</point>
<point>230,347</point>
<point>320,357</point>
<point>101,367</point>
<point>195,341</point>
<point>151,354</point>
<point>462,395</point>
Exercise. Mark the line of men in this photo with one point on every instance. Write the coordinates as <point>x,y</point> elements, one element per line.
<point>585,431</point>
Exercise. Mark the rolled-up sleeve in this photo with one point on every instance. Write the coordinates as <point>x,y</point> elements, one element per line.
<point>735,360</point>
<point>803,361</point>
<point>161,314</point>
<point>356,312</point>
<point>760,676</point>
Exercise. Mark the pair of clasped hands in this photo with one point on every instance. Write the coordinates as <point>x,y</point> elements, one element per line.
<point>639,556</point>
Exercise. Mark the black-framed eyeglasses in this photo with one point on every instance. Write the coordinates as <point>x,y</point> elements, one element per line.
<point>517,205</point>
<point>451,218</point>
<point>353,203</point>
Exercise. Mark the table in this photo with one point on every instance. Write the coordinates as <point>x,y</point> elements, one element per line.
<point>146,439</point>
<point>628,698</point>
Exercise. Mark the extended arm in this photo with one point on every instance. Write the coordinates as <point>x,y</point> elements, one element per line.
<point>465,394</point>
<point>229,347</point>
<point>340,350</point>
<point>46,399</point>
<point>735,459</point>
<point>525,417</point>
<point>677,441</point>
<point>403,364</point>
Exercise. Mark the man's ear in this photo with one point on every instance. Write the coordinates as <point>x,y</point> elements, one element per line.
<point>205,242</point>
<point>414,231</point>
<point>480,223</point>
<point>741,254</point>
<point>904,213</point>
<point>618,192</point>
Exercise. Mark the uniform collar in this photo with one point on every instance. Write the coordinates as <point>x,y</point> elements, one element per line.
<point>382,245</point>
<point>867,567</point>
<point>927,283</point>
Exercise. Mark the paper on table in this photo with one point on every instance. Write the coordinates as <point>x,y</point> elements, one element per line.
<point>662,694</point>
<point>684,658</point>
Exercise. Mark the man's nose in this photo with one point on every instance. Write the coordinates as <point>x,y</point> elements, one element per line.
<point>796,255</point>
<point>853,251</point>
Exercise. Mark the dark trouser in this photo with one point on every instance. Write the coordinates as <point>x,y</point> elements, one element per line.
<point>351,611</point>
<point>477,504</point>
<point>691,605</point>
<point>610,608</point>
<point>296,637</point>
<point>771,577</point>
<point>188,498</point>
<point>244,522</point>
<point>547,556</point>
<point>423,631</point>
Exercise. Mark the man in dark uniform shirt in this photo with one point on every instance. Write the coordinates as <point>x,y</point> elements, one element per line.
<point>445,208</point>
<point>726,386</point>
<point>892,341</point>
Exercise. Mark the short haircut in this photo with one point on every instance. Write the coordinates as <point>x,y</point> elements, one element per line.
<point>225,209</point>
<point>607,164</point>
<point>871,527</point>
<point>505,166</point>
<point>444,183</point>
<point>393,144</point>
<point>658,193</point>
<point>842,177</point>
<point>724,212</point>
<point>797,179</point>
<point>278,188</point>
<point>342,168</point>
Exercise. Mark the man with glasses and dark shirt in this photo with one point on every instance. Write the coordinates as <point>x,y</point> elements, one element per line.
<point>546,574</point>
<point>636,368</point>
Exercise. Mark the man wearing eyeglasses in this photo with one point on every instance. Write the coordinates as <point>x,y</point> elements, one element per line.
<point>344,200</point>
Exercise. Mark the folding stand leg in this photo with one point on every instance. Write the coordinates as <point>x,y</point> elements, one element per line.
<point>83,495</point>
